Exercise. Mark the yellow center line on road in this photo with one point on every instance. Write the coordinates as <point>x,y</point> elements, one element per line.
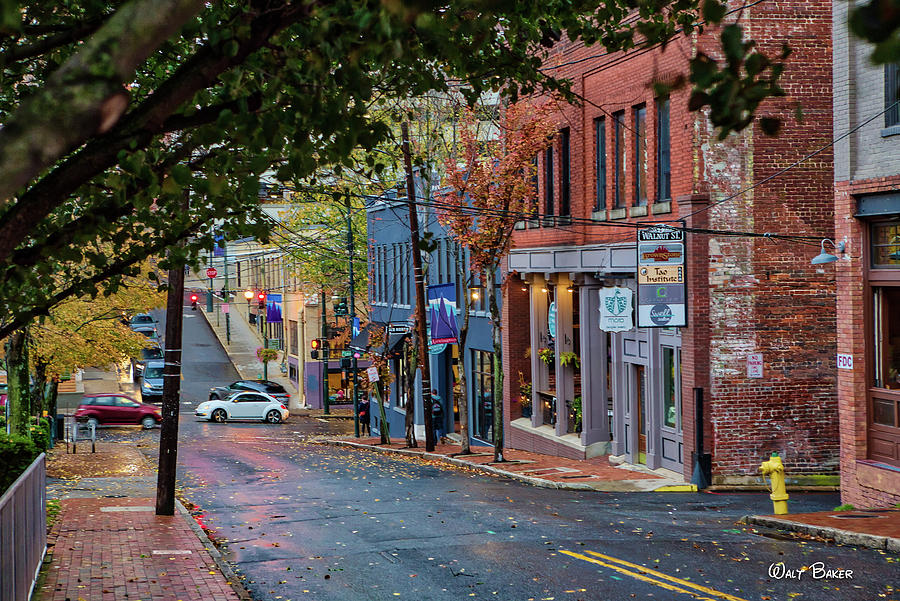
<point>653,577</point>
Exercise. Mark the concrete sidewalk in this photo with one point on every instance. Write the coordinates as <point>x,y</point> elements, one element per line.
<point>107,542</point>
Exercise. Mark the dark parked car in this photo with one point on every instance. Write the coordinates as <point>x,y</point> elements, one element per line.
<point>271,388</point>
<point>152,353</point>
<point>152,382</point>
<point>116,409</point>
<point>142,319</point>
<point>150,332</point>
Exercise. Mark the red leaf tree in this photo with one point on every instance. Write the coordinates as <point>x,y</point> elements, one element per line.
<point>490,189</point>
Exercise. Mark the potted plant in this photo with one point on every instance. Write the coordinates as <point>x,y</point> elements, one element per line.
<point>524,396</point>
<point>576,410</point>
<point>546,355</point>
<point>569,358</point>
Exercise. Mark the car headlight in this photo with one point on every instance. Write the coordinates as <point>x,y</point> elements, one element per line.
<point>145,384</point>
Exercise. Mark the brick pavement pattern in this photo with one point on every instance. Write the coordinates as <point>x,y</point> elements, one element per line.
<point>109,550</point>
<point>537,465</point>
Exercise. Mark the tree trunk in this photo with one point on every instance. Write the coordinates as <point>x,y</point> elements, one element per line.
<point>39,392</point>
<point>19,395</point>
<point>463,381</point>
<point>498,363</point>
<point>52,393</point>
<point>411,354</point>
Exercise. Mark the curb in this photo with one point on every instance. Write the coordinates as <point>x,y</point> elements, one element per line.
<point>230,577</point>
<point>841,537</point>
<point>611,485</point>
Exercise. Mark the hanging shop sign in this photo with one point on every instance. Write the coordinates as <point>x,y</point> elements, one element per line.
<point>551,319</point>
<point>616,309</point>
<point>662,290</point>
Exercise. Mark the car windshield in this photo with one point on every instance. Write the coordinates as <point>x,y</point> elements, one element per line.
<point>147,333</point>
<point>153,372</point>
<point>151,353</point>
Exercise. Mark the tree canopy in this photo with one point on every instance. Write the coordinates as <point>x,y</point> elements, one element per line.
<point>113,112</point>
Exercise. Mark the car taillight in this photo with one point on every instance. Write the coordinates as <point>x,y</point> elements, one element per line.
<point>283,407</point>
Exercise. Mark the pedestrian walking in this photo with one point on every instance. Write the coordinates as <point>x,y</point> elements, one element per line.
<point>364,428</point>
<point>437,416</point>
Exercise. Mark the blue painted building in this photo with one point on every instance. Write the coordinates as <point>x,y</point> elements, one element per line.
<point>392,298</point>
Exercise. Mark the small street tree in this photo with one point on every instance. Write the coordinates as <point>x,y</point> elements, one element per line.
<point>491,188</point>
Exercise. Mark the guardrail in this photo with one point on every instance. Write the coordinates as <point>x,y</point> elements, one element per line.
<point>23,532</point>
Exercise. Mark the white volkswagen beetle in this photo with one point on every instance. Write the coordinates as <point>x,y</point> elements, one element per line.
<point>244,405</point>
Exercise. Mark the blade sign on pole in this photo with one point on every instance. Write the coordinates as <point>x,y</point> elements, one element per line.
<point>662,293</point>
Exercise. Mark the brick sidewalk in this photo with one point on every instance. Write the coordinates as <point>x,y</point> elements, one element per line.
<point>119,549</point>
<point>541,470</point>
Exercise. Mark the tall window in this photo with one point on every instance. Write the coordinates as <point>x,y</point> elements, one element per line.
<point>619,184</point>
<point>663,151</point>
<point>565,171</point>
<point>600,175</point>
<point>403,375</point>
<point>548,181</point>
<point>483,391</point>
<point>535,208</point>
<point>640,156</point>
<point>293,330</point>
<point>883,349</point>
<point>891,85</point>
<point>671,389</point>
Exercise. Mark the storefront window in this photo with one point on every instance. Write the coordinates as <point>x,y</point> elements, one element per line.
<point>887,337</point>
<point>669,387</point>
<point>483,390</point>
<point>886,245</point>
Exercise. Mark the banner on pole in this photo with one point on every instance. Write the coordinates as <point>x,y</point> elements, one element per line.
<point>442,303</point>
<point>273,308</point>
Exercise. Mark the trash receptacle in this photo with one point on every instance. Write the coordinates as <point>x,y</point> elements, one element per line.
<point>60,426</point>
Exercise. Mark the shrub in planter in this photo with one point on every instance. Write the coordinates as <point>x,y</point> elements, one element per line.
<point>16,454</point>
<point>40,434</point>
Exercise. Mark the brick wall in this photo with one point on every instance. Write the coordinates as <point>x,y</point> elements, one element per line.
<point>861,485</point>
<point>755,294</point>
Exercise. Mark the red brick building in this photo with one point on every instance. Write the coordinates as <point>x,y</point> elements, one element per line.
<point>867,223</point>
<point>626,156</point>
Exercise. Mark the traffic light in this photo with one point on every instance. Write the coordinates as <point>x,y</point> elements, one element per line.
<point>346,363</point>
<point>194,298</point>
<point>340,307</point>
<point>325,349</point>
<point>261,297</point>
<point>315,343</point>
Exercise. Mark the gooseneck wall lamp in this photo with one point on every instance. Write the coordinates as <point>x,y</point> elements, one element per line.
<point>826,257</point>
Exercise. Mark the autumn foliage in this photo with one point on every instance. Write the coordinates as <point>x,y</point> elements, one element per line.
<point>490,180</point>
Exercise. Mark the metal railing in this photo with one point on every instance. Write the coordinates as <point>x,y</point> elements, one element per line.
<point>23,532</point>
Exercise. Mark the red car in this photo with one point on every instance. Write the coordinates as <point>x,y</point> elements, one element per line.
<point>115,408</point>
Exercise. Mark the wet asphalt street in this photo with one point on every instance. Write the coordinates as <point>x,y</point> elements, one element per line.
<point>301,520</point>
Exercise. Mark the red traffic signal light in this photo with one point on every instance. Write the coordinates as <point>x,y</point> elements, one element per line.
<point>194,298</point>
<point>316,343</point>
<point>261,296</point>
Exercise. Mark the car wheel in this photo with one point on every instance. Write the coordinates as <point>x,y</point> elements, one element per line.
<point>93,421</point>
<point>148,422</point>
<point>273,416</point>
<point>219,416</point>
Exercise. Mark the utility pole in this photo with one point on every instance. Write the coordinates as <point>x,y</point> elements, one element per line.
<point>225,294</point>
<point>420,290</point>
<point>171,400</point>
<point>265,325</point>
<point>209,292</point>
<point>352,317</point>
<point>324,352</point>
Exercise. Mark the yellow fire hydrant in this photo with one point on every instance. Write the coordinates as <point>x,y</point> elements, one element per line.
<point>774,469</point>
